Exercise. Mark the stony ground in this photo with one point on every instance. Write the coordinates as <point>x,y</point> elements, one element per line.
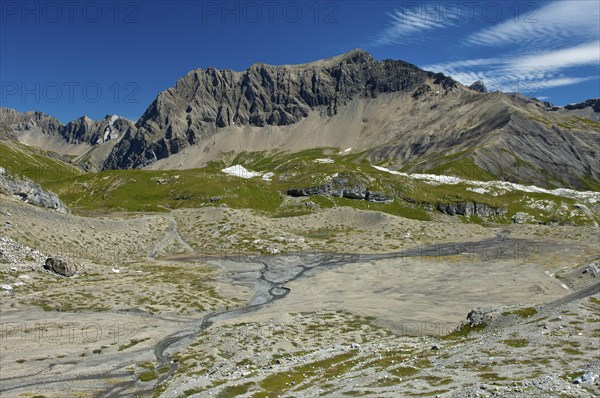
<point>366,327</point>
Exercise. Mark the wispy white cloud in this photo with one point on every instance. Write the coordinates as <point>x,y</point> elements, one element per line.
<point>405,24</point>
<point>557,21</point>
<point>584,54</point>
<point>547,45</point>
<point>532,72</point>
<point>561,81</point>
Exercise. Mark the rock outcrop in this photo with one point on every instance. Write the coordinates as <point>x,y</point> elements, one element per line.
<point>469,209</point>
<point>479,86</point>
<point>345,186</point>
<point>60,266</point>
<point>30,192</point>
<point>593,103</point>
<point>482,316</point>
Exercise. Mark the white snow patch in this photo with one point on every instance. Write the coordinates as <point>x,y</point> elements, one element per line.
<point>325,160</point>
<point>482,191</point>
<point>240,171</point>
<point>6,287</point>
<point>268,176</point>
<point>116,270</point>
<point>586,196</point>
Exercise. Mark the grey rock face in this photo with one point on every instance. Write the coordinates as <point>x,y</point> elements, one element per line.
<point>345,186</point>
<point>27,121</point>
<point>30,192</point>
<point>86,130</point>
<point>470,209</point>
<point>380,197</point>
<point>208,99</point>
<point>594,103</point>
<point>479,86</point>
<point>82,130</point>
<point>60,266</point>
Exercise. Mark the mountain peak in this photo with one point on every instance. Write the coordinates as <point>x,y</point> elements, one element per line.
<point>355,56</point>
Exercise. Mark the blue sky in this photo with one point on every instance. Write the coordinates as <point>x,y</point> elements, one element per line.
<point>95,58</point>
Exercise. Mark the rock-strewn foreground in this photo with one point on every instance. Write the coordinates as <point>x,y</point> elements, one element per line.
<point>149,313</point>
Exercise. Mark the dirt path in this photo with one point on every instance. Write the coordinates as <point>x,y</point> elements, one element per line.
<point>172,235</point>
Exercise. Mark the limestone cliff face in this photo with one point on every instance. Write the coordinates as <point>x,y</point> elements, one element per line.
<point>208,99</point>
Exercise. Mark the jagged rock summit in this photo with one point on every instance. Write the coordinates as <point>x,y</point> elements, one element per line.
<point>206,100</point>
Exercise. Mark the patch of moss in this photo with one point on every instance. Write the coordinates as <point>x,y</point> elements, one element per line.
<point>148,376</point>
<point>516,343</point>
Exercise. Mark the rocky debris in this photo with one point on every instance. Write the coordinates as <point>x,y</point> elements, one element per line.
<point>470,209</point>
<point>592,269</point>
<point>60,266</point>
<point>30,192</point>
<point>479,86</point>
<point>12,252</point>
<point>523,218</point>
<point>587,377</point>
<point>482,316</point>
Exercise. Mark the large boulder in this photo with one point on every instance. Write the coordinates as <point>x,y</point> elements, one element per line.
<point>482,316</point>
<point>60,266</point>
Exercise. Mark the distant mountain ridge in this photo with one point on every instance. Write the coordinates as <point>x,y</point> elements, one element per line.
<point>387,112</point>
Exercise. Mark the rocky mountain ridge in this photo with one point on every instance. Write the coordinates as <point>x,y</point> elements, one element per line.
<point>209,99</point>
<point>388,112</point>
<point>79,131</point>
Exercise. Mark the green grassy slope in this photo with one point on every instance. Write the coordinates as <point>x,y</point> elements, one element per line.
<point>145,190</point>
